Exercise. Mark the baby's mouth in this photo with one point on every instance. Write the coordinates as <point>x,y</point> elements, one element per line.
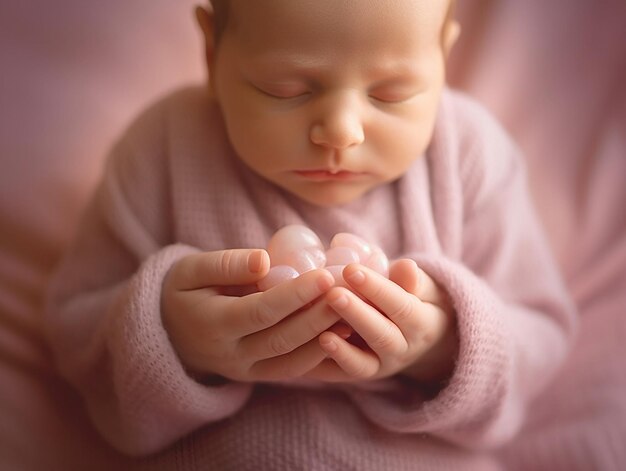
<point>328,174</point>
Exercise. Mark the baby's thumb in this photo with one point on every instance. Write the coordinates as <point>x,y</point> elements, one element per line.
<point>411,278</point>
<point>222,268</point>
<point>404,273</point>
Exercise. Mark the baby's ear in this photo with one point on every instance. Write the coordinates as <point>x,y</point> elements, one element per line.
<point>451,32</point>
<point>206,22</point>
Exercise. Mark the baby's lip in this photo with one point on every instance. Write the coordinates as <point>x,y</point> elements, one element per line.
<point>327,174</point>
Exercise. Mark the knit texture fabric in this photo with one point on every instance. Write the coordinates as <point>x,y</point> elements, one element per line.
<point>173,186</point>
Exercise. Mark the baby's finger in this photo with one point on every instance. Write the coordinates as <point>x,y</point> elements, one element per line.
<point>413,279</point>
<point>327,371</point>
<point>290,366</point>
<point>220,268</point>
<point>380,333</point>
<point>357,364</point>
<point>290,333</point>
<point>260,311</point>
<point>390,298</point>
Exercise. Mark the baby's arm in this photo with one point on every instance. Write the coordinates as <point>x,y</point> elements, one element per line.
<point>244,338</point>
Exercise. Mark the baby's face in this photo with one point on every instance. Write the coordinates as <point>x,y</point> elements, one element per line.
<point>331,98</point>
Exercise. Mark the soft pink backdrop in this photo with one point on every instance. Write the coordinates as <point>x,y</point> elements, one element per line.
<point>73,73</point>
<point>555,74</point>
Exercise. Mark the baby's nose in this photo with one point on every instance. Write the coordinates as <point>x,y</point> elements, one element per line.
<point>340,126</point>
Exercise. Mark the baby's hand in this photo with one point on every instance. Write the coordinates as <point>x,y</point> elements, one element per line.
<point>405,322</point>
<point>245,338</point>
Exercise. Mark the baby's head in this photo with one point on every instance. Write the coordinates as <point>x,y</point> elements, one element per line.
<point>328,98</point>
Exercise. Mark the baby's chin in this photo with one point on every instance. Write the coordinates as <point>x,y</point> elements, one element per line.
<point>328,196</point>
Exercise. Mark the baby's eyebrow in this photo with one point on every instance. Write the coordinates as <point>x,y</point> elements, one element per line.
<point>303,65</point>
<point>294,63</point>
<point>396,68</point>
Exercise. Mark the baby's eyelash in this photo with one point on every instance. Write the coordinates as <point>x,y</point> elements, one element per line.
<point>281,95</point>
<point>393,100</point>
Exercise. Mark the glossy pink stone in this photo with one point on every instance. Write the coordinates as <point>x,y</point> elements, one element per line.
<point>289,240</point>
<point>306,259</point>
<point>378,262</point>
<point>318,255</point>
<point>336,271</point>
<point>278,274</point>
<point>341,256</point>
<point>344,239</point>
<point>296,249</point>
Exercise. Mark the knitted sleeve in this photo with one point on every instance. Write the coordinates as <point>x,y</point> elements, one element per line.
<point>103,318</point>
<point>514,317</point>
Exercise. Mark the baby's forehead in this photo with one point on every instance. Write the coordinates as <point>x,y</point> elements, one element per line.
<point>236,8</point>
<point>269,17</point>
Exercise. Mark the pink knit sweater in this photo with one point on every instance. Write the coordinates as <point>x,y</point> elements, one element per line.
<point>173,186</point>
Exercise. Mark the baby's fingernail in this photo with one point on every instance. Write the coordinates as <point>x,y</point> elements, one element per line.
<point>329,345</point>
<point>339,302</point>
<point>356,277</point>
<point>255,261</point>
<point>324,283</point>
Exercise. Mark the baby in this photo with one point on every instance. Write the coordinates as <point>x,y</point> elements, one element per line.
<point>331,114</point>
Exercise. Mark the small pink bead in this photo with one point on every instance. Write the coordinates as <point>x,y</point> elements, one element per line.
<point>336,271</point>
<point>341,256</point>
<point>289,239</point>
<point>318,255</point>
<point>378,262</point>
<point>276,276</point>
<point>305,259</point>
<point>345,239</point>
